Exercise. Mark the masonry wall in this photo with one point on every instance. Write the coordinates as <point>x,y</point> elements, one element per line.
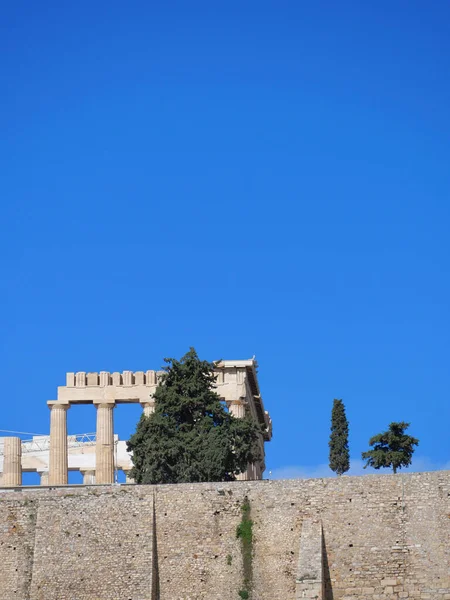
<point>385,537</point>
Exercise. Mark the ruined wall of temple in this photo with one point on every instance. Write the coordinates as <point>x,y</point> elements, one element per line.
<point>385,537</point>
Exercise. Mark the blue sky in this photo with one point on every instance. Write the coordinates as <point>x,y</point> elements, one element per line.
<point>266,178</point>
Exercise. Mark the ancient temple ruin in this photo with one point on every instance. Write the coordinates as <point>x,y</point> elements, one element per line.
<point>98,456</point>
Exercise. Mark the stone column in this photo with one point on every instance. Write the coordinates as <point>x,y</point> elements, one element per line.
<point>88,476</point>
<point>104,450</point>
<point>261,465</point>
<point>12,462</point>
<point>128,479</point>
<point>44,477</point>
<point>148,407</point>
<point>58,465</point>
<point>237,409</point>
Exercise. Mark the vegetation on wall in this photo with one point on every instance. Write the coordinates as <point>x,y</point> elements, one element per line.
<point>391,448</point>
<point>244,532</point>
<point>339,453</point>
<point>191,436</point>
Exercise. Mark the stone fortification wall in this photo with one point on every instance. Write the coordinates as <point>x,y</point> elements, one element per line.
<point>384,537</point>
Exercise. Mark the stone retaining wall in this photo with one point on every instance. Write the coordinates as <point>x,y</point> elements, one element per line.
<point>385,537</point>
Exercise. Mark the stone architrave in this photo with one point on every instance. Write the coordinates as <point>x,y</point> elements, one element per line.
<point>58,462</point>
<point>104,449</point>
<point>12,462</point>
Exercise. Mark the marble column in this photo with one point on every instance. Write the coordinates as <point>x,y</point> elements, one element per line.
<point>104,450</point>
<point>88,476</point>
<point>44,477</point>
<point>237,409</point>
<point>148,407</point>
<point>128,479</point>
<point>58,461</point>
<point>12,462</point>
<point>261,464</point>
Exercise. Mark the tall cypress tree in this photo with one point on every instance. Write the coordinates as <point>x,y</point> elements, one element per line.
<point>339,453</point>
<point>191,436</point>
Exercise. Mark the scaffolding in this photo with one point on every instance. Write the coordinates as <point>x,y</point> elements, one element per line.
<point>41,443</point>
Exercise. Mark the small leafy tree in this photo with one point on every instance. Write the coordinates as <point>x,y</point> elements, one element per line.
<point>191,436</point>
<point>339,454</point>
<point>392,448</point>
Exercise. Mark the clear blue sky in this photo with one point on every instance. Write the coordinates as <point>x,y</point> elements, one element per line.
<point>266,178</point>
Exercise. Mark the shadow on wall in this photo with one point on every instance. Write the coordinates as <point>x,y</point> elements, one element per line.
<point>155,566</point>
<point>328,590</point>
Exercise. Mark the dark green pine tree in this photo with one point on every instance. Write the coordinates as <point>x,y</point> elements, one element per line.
<point>339,453</point>
<point>191,436</point>
<point>392,448</point>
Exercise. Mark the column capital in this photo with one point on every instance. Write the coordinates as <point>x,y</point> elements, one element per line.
<point>148,406</point>
<point>147,403</point>
<point>104,403</point>
<point>59,405</point>
<point>237,402</point>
